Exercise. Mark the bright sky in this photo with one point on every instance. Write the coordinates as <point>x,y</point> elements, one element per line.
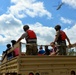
<point>40,15</point>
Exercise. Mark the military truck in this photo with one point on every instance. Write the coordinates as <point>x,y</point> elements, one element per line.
<point>37,65</point>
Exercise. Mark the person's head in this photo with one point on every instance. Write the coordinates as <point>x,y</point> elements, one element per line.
<point>46,47</point>
<point>52,44</point>
<point>47,50</point>
<point>31,73</point>
<point>40,47</point>
<point>72,72</point>
<point>13,42</point>
<point>8,45</point>
<point>3,52</point>
<point>57,27</point>
<point>25,27</point>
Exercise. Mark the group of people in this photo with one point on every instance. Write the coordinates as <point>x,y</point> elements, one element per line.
<point>44,51</point>
<point>47,51</point>
<point>31,40</point>
<point>58,45</point>
<point>12,53</point>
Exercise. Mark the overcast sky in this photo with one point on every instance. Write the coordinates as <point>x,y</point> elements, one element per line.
<point>40,15</point>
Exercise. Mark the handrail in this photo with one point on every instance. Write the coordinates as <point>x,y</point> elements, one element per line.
<point>19,45</point>
<point>11,50</point>
<point>72,45</point>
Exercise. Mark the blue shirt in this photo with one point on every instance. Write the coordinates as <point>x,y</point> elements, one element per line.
<point>41,52</point>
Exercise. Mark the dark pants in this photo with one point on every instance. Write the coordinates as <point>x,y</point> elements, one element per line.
<point>10,55</point>
<point>31,49</point>
<point>62,48</point>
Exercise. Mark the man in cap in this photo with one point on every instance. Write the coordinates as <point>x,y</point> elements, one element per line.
<point>60,39</point>
<point>31,40</point>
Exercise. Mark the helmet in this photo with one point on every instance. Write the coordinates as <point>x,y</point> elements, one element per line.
<point>25,27</point>
<point>57,27</point>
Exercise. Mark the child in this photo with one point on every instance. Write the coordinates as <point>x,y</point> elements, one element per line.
<point>41,51</point>
<point>9,55</point>
<point>54,50</point>
<point>16,50</point>
<point>47,51</point>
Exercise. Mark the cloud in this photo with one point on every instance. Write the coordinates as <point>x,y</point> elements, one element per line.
<point>9,28</point>
<point>44,34</point>
<point>24,8</point>
<point>66,21</point>
<point>71,3</point>
<point>11,25</point>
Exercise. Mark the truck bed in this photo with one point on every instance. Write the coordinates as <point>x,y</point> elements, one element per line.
<point>44,65</point>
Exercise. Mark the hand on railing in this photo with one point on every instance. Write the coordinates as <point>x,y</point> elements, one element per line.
<point>70,45</point>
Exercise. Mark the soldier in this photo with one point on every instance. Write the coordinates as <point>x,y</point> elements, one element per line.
<point>31,40</point>
<point>61,38</point>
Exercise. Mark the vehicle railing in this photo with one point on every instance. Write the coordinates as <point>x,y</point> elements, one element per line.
<point>22,49</point>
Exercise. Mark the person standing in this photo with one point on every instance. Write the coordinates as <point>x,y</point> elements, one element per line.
<point>31,40</point>
<point>5,53</point>
<point>60,39</point>
<point>16,50</point>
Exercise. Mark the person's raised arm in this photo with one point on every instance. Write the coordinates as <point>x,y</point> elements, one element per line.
<point>68,41</point>
<point>19,40</point>
<point>56,36</point>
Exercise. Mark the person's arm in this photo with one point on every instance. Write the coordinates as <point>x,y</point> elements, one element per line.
<point>56,36</point>
<point>70,45</point>
<point>19,40</point>
<point>68,41</point>
<point>24,35</point>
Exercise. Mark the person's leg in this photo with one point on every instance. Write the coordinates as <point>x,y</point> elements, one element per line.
<point>34,49</point>
<point>60,50</point>
<point>63,48</point>
<point>28,50</point>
